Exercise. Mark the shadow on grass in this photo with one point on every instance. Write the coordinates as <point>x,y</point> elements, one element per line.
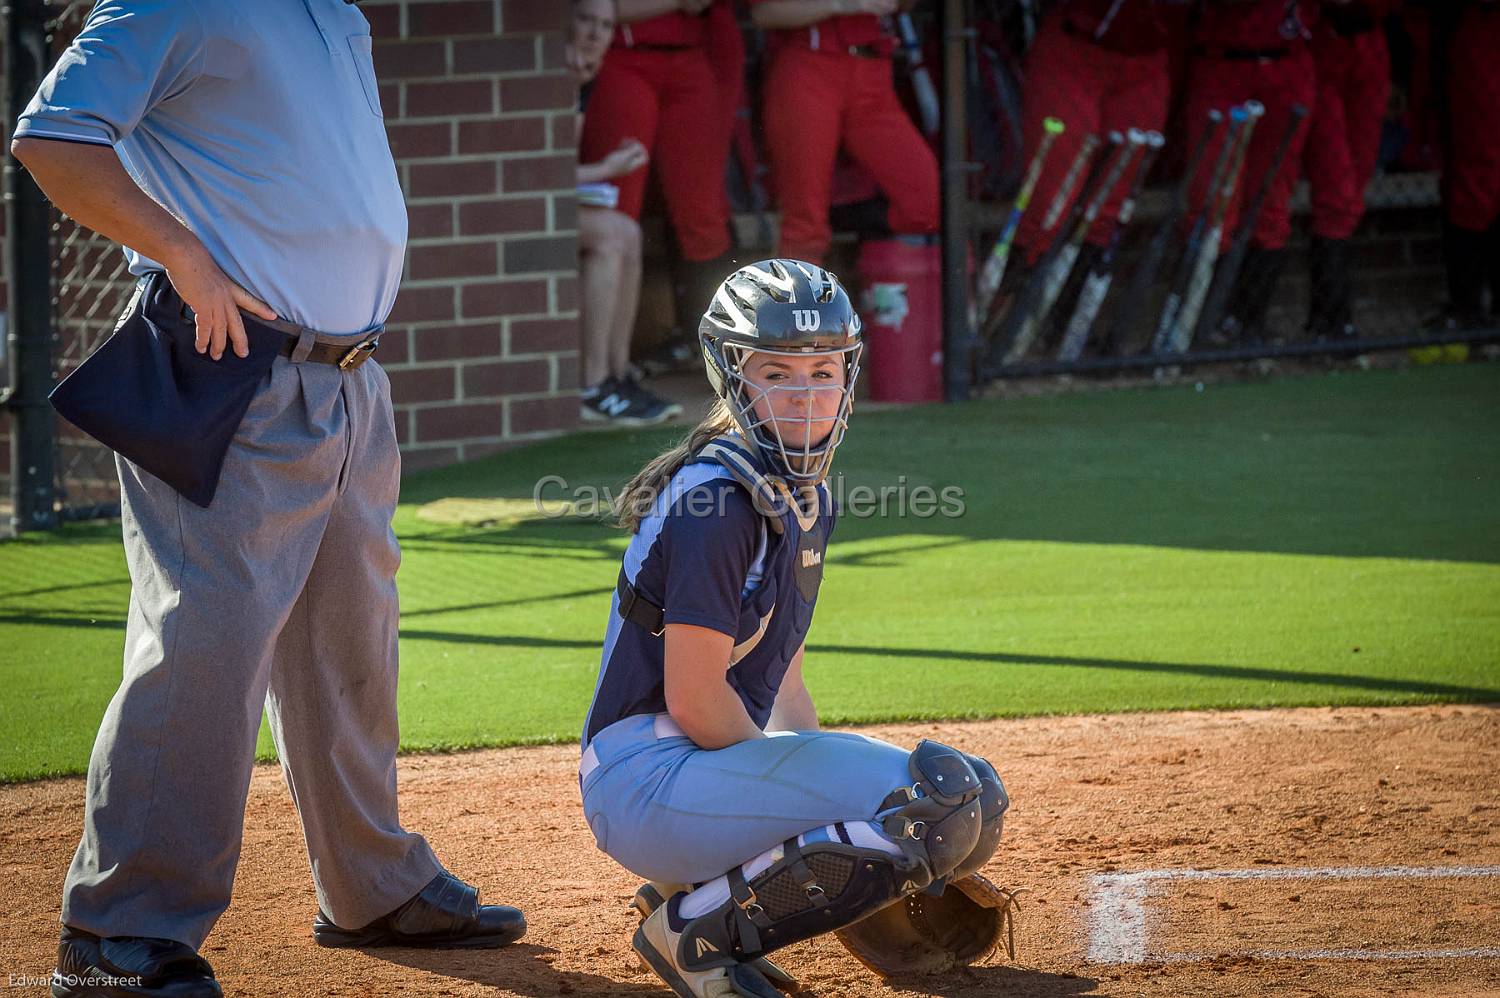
<point>1373,464</point>
<point>1378,684</point>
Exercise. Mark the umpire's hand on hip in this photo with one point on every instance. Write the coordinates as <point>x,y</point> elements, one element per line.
<point>215,300</point>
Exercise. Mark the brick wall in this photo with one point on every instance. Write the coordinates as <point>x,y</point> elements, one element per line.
<point>482,348</point>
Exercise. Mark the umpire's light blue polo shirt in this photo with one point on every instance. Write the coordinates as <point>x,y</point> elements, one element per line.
<point>256,122</point>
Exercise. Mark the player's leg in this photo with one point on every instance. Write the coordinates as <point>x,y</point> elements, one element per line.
<point>1137,98</point>
<point>878,134</point>
<point>866,841</point>
<point>623,105</point>
<point>805,94</point>
<point>1062,82</point>
<point>690,157</point>
<point>1282,83</point>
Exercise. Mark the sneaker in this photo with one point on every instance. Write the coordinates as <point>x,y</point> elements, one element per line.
<point>653,895</point>
<point>623,403</point>
<point>659,408</point>
<point>604,403</point>
<point>658,942</point>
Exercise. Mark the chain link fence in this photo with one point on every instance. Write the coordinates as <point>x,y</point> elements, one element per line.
<point>78,297</point>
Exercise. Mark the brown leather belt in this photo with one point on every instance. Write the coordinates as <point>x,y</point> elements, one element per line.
<point>342,356</point>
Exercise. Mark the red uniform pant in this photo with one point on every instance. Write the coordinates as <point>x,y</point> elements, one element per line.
<point>726,58</point>
<point>1278,84</point>
<point>1343,137</point>
<point>819,102</point>
<point>669,101</point>
<point>1473,167</point>
<point>1091,90</point>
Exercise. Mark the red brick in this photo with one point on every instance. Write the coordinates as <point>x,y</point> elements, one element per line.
<point>403,60</point>
<point>502,135</point>
<point>403,427</point>
<point>539,173</point>
<point>543,415</point>
<point>553,52</point>
<point>542,336</point>
<point>385,19</point>
<point>506,377</point>
<point>449,98</point>
<point>451,17</point>
<point>477,218</point>
<point>453,260</point>
<point>468,419</point>
<point>533,15</point>
<point>506,54</point>
<point>568,373</point>
<point>430,221</point>
<point>394,349</point>
<point>422,458</point>
<point>426,140</point>
<point>390,99</point>
<point>422,384</point>
<point>458,342</point>
<point>527,256</point>
<point>423,305</point>
<point>430,180</point>
<point>566,289</point>
<point>543,92</point>
<point>564,212</point>
<point>502,299</point>
<point>564,128</point>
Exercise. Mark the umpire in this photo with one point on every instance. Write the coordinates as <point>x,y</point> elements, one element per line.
<point>238,151</point>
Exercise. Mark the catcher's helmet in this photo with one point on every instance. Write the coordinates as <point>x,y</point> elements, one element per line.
<point>789,307</point>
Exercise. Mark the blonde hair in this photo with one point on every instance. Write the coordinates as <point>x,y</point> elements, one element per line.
<point>640,493</point>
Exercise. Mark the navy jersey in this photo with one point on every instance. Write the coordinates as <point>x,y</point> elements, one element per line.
<point>707,557</point>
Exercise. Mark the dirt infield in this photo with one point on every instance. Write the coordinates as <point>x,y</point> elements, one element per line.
<point>1347,811</point>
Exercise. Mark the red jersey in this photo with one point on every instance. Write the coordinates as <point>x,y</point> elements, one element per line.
<point>1263,25</point>
<point>836,34</point>
<point>667,30</point>
<point>1133,26</point>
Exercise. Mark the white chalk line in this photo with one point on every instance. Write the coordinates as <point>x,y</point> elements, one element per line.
<point>1117,912</point>
<point>1473,953</point>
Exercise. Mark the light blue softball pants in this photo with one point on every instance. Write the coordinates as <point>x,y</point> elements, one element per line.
<point>672,812</point>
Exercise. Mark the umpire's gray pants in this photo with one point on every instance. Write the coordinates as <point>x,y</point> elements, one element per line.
<point>281,594</point>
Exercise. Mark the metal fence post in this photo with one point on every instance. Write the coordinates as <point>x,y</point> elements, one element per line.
<point>28,272</point>
<point>958,335</point>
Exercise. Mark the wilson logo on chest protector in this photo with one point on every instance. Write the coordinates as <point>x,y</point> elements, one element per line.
<point>811,558</point>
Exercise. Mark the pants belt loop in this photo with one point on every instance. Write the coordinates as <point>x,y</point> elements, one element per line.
<point>304,345</point>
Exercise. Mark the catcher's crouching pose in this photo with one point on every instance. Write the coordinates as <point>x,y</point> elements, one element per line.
<point>702,761</point>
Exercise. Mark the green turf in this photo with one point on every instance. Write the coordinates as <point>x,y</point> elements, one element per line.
<point>1324,539</point>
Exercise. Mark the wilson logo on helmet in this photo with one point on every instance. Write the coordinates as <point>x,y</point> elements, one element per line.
<point>807,319</point>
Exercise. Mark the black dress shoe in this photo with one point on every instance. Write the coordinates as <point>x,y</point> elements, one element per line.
<point>129,967</point>
<point>445,915</point>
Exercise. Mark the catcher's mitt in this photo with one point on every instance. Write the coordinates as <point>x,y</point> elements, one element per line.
<point>922,934</point>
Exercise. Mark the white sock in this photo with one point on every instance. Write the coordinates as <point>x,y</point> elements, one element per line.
<point>865,834</point>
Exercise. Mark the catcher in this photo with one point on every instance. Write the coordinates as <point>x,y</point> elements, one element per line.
<point>704,770</point>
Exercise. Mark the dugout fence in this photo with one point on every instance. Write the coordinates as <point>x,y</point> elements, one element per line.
<point>1164,306</point>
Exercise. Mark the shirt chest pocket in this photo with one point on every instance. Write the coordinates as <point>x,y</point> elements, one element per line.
<point>361,50</point>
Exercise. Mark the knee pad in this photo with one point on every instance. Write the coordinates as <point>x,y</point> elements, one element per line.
<point>993,802</point>
<point>938,820</point>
